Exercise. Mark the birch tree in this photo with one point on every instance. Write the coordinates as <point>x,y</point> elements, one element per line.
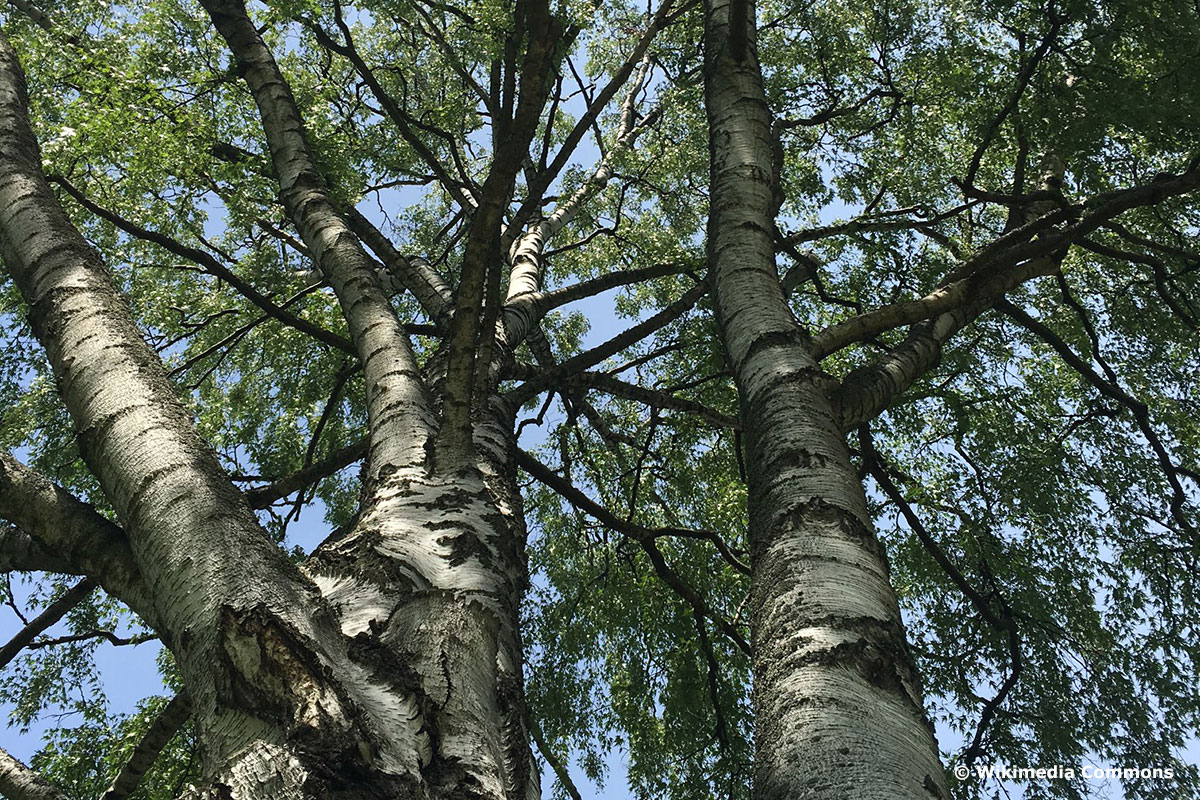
<point>789,400</point>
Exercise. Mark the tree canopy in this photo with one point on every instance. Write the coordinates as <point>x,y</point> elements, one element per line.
<point>986,224</point>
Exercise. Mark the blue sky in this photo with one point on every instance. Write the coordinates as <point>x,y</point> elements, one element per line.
<point>129,673</point>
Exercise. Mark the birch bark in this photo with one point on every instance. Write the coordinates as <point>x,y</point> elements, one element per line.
<point>392,667</point>
<point>837,702</point>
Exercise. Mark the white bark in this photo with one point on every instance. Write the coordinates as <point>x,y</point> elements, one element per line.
<point>19,782</point>
<point>59,524</point>
<point>287,704</point>
<point>525,304</point>
<point>397,407</point>
<point>838,708</point>
<point>432,577</point>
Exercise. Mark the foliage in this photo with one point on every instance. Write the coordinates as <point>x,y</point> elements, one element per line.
<point>1069,510</point>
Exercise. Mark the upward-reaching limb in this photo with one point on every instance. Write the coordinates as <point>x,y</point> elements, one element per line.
<point>472,333</point>
<point>397,407</point>
<point>216,586</point>
<point>836,692</point>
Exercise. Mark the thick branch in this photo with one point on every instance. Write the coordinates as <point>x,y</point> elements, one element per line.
<point>166,725</point>
<point>396,404</point>
<point>21,552</point>
<point>981,285</point>
<point>869,389</point>
<point>417,275</point>
<point>472,338</point>
<point>525,305</point>
<point>135,435</point>
<point>71,531</point>
<point>19,782</point>
<point>526,253</point>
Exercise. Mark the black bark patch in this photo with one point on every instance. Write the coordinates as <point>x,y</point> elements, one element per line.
<point>465,545</point>
<point>354,779</point>
<point>818,511</point>
<point>387,666</point>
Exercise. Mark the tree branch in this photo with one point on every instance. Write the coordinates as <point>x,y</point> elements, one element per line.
<point>643,536</point>
<point>19,782</point>
<point>560,769</point>
<point>397,407</point>
<point>1023,79</point>
<point>50,615</point>
<point>472,334</point>
<point>108,636</point>
<point>541,182</point>
<point>833,112</point>
<point>1002,622</point>
<point>608,384</point>
<point>600,352</point>
<point>463,191</point>
<point>264,496</point>
<point>210,265</point>
<point>416,274</point>
<point>172,717</point>
<point>71,531</point>
<point>526,253</point>
<point>1113,391</point>
<point>984,283</point>
<point>555,298</point>
<point>40,18</point>
<point>21,552</point>
<point>870,389</point>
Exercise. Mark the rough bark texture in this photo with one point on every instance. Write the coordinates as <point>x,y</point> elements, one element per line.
<point>838,707</point>
<point>392,667</point>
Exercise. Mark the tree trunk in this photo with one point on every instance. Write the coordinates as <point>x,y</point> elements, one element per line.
<point>391,665</point>
<point>837,703</point>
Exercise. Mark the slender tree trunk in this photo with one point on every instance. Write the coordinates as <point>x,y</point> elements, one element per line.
<point>837,703</point>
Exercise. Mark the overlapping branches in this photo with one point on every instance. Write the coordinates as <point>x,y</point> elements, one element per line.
<point>1031,250</point>
<point>1110,387</point>
<point>209,264</point>
<point>993,608</point>
<point>645,538</point>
